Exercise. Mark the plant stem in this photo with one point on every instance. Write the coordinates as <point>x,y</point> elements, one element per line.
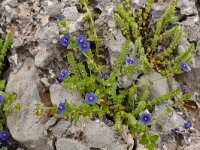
<point>35,107</point>
<point>94,31</point>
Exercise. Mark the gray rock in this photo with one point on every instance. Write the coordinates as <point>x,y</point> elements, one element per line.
<point>98,135</point>
<point>156,91</point>
<point>11,3</point>
<point>43,58</point>
<point>60,128</point>
<point>69,144</point>
<point>71,13</point>
<point>46,54</point>
<point>187,7</point>
<point>158,10</point>
<point>117,146</point>
<point>171,122</point>
<point>125,82</point>
<point>70,2</point>
<point>58,94</point>
<point>191,28</point>
<point>53,9</point>
<point>51,122</point>
<point>114,43</point>
<point>47,33</point>
<point>17,42</point>
<point>25,126</point>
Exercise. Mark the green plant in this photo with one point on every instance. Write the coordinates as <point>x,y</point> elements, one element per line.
<point>92,33</point>
<point>147,38</point>
<point>107,99</point>
<point>100,87</point>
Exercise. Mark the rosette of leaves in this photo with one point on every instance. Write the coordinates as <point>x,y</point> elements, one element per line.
<point>147,37</point>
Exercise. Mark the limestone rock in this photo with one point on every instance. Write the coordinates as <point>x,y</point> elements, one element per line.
<point>58,94</point>
<point>98,135</point>
<point>156,91</point>
<point>168,123</point>
<point>69,144</point>
<point>25,126</point>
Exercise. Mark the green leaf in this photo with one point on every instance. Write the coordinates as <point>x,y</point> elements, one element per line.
<point>150,147</point>
<point>187,96</point>
<point>86,17</point>
<point>2,84</point>
<point>18,107</point>
<point>72,46</point>
<point>154,138</point>
<point>7,108</point>
<point>76,116</point>
<point>144,141</point>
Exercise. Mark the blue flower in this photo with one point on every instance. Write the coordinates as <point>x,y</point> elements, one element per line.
<point>61,17</point>
<point>4,144</point>
<point>130,61</point>
<point>80,40</point>
<point>188,125</point>
<point>4,135</point>
<point>145,118</point>
<point>91,98</point>
<point>82,43</point>
<point>61,108</point>
<point>1,99</point>
<point>184,67</point>
<point>85,46</point>
<point>184,89</point>
<point>65,40</point>
<point>62,76</point>
<point>102,75</point>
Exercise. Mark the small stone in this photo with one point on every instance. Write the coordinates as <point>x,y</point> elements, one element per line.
<point>53,9</point>
<point>45,55</point>
<point>71,13</point>
<point>69,144</point>
<point>125,82</point>
<point>60,128</point>
<point>45,82</point>
<point>47,33</point>
<point>45,20</point>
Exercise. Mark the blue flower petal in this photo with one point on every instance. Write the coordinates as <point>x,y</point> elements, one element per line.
<point>184,67</point>
<point>61,108</point>
<point>4,135</point>
<point>188,125</point>
<point>130,61</point>
<point>82,43</point>
<point>62,76</point>
<point>65,40</point>
<point>1,99</point>
<point>60,17</point>
<point>102,75</point>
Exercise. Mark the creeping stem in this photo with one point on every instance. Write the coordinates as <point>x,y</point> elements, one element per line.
<point>94,31</point>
